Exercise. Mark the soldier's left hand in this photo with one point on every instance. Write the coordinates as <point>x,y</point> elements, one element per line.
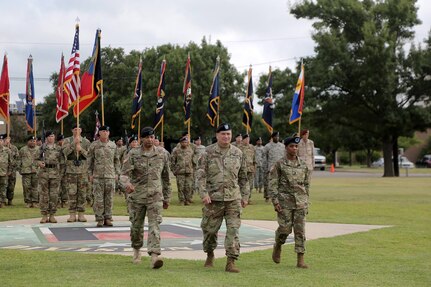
<point>165,205</point>
<point>244,203</point>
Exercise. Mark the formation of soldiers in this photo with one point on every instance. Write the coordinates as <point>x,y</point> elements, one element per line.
<point>74,171</point>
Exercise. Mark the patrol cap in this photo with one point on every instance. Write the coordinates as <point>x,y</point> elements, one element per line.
<point>147,131</point>
<point>49,133</point>
<point>223,127</point>
<point>60,137</point>
<point>292,139</point>
<point>133,138</point>
<point>104,128</point>
<point>275,134</point>
<point>31,138</point>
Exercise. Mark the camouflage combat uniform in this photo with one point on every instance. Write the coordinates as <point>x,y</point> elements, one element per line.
<point>49,178</point>
<point>182,168</point>
<point>11,181</point>
<point>306,153</point>
<point>272,153</point>
<point>104,167</point>
<point>199,151</point>
<point>222,175</point>
<point>5,167</point>
<point>76,173</point>
<point>250,160</point>
<point>148,172</point>
<point>122,152</point>
<point>27,167</point>
<point>259,176</point>
<point>288,186</point>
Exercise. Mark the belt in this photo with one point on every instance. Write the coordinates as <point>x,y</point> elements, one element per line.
<point>50,165</point>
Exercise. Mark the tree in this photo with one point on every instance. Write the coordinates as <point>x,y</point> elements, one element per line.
<point>360,69</point>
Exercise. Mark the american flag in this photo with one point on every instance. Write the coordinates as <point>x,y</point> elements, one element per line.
<point>72,82</point>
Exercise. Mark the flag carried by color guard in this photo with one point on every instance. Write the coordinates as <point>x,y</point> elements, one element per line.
<point>187,91</point>
<point>30,96</point>
<point>268,104</point>
<point>247,119</point>
<point>62,109</point>
<point>159,114</point>
<point>4,90</point>
<point>137,96</point>
<point>214,100</point>
<point>298,99</point>
<point>72,81</point>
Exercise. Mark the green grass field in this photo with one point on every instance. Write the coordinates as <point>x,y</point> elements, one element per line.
<point>395,256</point>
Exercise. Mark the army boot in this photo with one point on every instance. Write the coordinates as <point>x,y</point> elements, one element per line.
<point>44,218</point>
<point>300,262</point>
<point>230,266</point>
<point>276,253</point>
<point>81,217</point>
<point>136,256</point>
<point>9,202</point>
<point>72,217</point>
<point>52,218</point>
<point>100,223</point>
<point>156,262</point>
<point>108,222</point>
<point>210,259</point>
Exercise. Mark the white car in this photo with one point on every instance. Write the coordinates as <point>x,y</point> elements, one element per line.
<point>319,159</point>
<point>403,162</point>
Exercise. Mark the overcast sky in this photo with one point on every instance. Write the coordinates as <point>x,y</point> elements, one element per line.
<point>256,32</point>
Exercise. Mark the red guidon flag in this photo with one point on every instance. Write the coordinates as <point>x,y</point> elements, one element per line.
<point>4,90</point>
<point>61,96</point>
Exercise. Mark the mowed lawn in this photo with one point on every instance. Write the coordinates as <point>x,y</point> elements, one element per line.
<point>395,256</point>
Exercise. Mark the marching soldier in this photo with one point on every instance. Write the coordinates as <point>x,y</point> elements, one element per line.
<point>145,175</point>
<point>103,169</point>
<point>75,151</point>
<point>288,189</point>
<point>259,176</point>
<point>306,151</point>
<point>12,177</point>
<point>182,168</point>
<point>122,151</point>
<point>249,153</point>
<point>5,167</point>
<point>27,167</point>
<point>273,151</point>
<point>223,187</point>
<point>49,176</point>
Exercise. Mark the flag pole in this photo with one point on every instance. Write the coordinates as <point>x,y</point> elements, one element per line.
<point>163,121</point>
<point>34,118</point>
<point>302,95</point>
<point>139,127</point>
<point>61,127</point>
<point>219,96</point>
<point>103,106</point>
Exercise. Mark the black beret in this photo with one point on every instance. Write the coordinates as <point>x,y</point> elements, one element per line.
<point>48,133</point>
<point>75,126</point>
<point>39,138</point>
<point>292,139</point>
<point>184,138</point>
<point>245,136</point>
<point>275,134</point>
<point>147,131</point>
<point>197,138</point>
<point>259,139</point>
<point>118,138</point>
<point>30,138</point>
<point>133,138</point>
<point>185,133</point>
<point>60,137</point>
<point>104,128</point>
<point>223,127</point>
<point>238,135</point>
<point>214,140</point>
<point>2,137</point>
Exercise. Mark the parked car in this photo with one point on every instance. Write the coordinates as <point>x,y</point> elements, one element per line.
<point>403,162</point>
<point>319,159</point>
<point>425,161</point>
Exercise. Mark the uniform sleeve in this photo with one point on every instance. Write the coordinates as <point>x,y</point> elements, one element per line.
<point>90,160</point>
<point>166,183</point>
<point>117,163</point>
<point>273,183</point>
<point>201,175</point>
<point>265,159</point>
<point>19,161</point>
<point>307,181</point>
<point>244,187</point>
<point>85,147</point>
<point>173,161</point>
<point>126,170</point>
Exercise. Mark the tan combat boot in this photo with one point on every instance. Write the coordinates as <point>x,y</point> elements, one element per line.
<point>72,217</point>
<point>136,256</point>
<point>156,262</point>
<point>44,218</point>
<point>108,222</point>
<point>210,259</point>
<point>300,262</point>
<point>100,223</point>
<point>230,266</point>
<point>52,218</point>
<point>81,217</point>
<point>276,253</point>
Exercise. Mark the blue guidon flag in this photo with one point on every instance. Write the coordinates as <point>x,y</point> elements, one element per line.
<point>268,105</point>
<point>214,100</point>
<point>247,119</point>
<point>29,99</point>
<point>298,99</point>
<point>159,114</point>
<point>187,91</point>
<point>137,96</point>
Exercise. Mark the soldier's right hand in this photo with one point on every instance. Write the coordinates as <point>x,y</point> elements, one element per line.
<point>206,200</point>
<point>277,207</point>
<point>78,147</point>
<point>77,140</point>
<point>130,188</point>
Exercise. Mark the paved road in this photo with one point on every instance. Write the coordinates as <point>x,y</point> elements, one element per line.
<point>344,173</point>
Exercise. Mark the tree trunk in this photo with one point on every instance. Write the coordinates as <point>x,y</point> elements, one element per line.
<point>350,158</point>
<point>395,155</point>
<point>369,153</point>
<point>387,157</point>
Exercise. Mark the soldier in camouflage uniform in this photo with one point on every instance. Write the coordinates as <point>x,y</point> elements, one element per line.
<point>5,167</point>
<point>288,188</point>
<point>272,152</point>
<point>306,151</point>
<point>238,140</point>
<point>199,151</point>
<point>259,176</point>
<point>49,176</point>
<point>12,177</point>
<point>103,170</point>
<point>63,196</point>
<point>122,151</point>
<point>224,189</point>
<point>145,174</point>
<point>75,151</point>
<point>27,167</point>
<point>182,168</point>
<point>250,159</point>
